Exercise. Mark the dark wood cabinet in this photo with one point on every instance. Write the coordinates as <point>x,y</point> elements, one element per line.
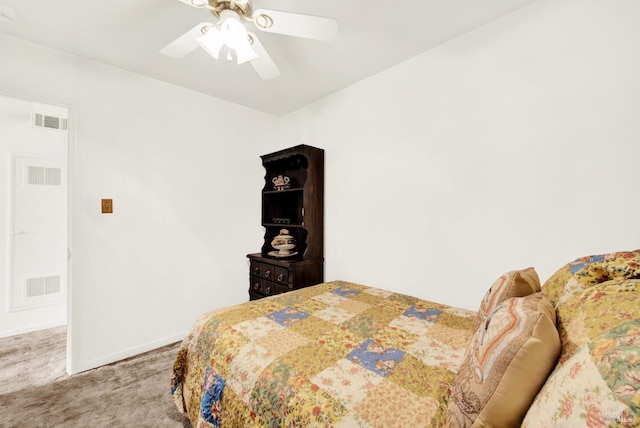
<point>292,201</point>
<point>271,276</point>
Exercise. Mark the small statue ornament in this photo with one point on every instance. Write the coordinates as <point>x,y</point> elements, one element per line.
<point>284,243</point>
<point>281,182</point>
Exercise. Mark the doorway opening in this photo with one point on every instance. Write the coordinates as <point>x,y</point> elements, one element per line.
<point>34,193</point>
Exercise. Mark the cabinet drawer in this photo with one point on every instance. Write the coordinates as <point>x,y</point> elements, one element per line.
<point>266,288</point>
<point>271,288</point>
<point>256,268</point>
<point>256,284</point>
<point>281,275</point>
<point>268,271</point>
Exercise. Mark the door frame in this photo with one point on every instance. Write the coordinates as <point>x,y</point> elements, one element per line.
<point>72,163</point>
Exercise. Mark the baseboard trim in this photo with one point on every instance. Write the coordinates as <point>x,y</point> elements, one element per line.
<point>82,366</point>
<point>32,328</point>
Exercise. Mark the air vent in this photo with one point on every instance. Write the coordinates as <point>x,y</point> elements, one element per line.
<point>50,122</point>
<point>40,175</point>
<point>44,286</point>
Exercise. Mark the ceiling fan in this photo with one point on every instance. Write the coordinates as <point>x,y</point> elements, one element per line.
<point>230,32</point>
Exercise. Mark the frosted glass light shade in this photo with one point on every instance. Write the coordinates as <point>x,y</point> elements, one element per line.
<point>233,31</point>
<point>212,42</point>
<point>245,53</point>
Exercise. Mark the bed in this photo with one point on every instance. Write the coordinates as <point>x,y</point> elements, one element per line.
<point>340,354</point>
<point>335,354</point>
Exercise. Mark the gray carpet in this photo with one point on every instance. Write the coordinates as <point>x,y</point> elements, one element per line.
<point>36,392</point>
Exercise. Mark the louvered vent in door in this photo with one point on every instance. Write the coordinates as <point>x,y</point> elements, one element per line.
<point>51,122</point>
<point>44,176</point>
<point>44,286</point>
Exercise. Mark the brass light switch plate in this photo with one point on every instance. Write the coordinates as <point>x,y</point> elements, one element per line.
<point>107,206</point>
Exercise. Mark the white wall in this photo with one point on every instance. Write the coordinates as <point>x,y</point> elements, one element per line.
<point>19,138</point>
<point>183,170</point>
<point>515,145</point>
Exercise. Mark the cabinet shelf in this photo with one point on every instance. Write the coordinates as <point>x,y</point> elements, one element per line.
<point>283,225</point>
<point>278,192</point>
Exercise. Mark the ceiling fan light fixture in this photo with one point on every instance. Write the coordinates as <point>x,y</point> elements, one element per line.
<point>211,41</point>
<point>234,35</point>
<point>232,30</point>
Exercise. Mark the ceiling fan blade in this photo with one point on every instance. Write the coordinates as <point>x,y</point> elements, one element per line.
<point>295,24</point>
<point>186,43</point>
<point>263,64</point>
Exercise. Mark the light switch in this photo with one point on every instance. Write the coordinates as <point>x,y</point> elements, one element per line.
<point>107,206</point>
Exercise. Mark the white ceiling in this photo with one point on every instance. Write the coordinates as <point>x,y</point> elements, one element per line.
<point>373,35</point>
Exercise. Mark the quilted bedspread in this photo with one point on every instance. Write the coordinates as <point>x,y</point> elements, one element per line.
<point>336,354</point>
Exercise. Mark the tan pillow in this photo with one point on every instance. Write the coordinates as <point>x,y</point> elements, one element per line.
<point>516,283</point>
<point>506,364</point>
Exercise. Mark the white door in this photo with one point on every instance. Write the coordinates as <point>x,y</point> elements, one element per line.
<point>39,233</point>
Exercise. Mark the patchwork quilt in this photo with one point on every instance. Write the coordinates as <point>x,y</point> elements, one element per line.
<point>336,354</point>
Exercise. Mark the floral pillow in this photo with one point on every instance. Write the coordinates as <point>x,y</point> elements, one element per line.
<point>587,271</point>
<point>517,283</point>
<point>597,380</point>
<point>506,364</point>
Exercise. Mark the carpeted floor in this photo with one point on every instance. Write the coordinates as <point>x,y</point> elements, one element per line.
<point>36,392</point>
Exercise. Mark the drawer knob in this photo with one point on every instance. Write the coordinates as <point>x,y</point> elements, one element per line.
<point>256,271</point>
<point>256,286</point>
<point>267,274</point>
<point>267,290</point>
<point>280,277</point>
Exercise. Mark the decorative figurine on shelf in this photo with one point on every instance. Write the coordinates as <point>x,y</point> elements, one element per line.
<point>281,182</point>
<point>284,243</point>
